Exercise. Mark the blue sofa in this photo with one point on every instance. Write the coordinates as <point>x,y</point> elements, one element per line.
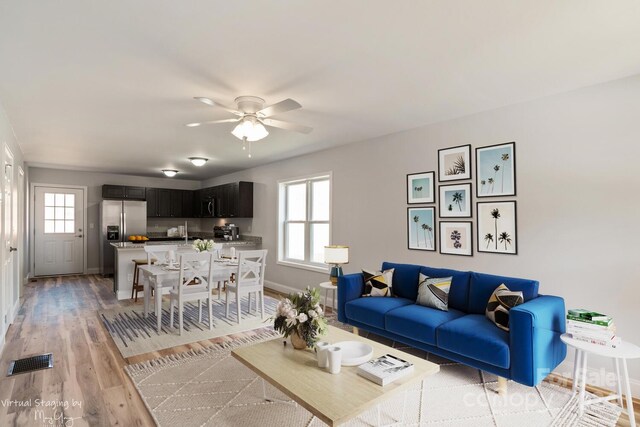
<point>526,354</point>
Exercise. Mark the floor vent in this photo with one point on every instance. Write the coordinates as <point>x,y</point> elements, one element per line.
<point>28,364</point>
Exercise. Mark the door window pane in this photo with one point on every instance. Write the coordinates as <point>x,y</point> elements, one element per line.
<point>48,213</point>
<point>59,227</point>
<point>49,226</point>
<point>68,227</point>
<point>59,213</point>
<point>69,200</point>
<point>297,202</point>
<point>49,199</point>
<point>320,202</point>
<point>295,241</point>
<point>59,199</point>
<point>319,239</point>
<point>68,213</point>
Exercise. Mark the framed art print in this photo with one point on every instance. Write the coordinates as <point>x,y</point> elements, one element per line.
<point>456,238</point>
<point>455,201</point>
<point>420,188</point>
<point>496,170</point>
<point>454,164</point>
<point>497,227</point>
<point>421,229</point>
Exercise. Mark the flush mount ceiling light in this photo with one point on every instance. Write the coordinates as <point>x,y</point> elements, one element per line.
<point>198,161</point>
<point>169,172</point>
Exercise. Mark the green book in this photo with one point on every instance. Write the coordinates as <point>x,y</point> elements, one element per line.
<point>582,315</point>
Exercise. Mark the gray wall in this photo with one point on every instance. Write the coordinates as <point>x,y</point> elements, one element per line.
<point>577,173</point>
<point>94,182</point>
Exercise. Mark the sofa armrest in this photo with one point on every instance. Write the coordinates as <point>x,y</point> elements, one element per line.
<point>535,345</point>
<point>350,287</point>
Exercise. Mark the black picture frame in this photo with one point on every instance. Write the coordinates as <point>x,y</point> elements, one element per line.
<point>412,200</point>
<point>484,176</point>
<point>411,214</point>
<point>443,163</point>
<point>510,240</point>
<point>469,233</point>
<point>443,211</point>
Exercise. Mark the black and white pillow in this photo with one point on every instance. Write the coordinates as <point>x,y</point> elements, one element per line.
<point>500,302</point>
<point>434,292</point>
<point>377,283</point>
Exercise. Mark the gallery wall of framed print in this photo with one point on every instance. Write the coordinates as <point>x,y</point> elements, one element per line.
<point>456,238</point>
<point>455,201</point>
<point>421,188</point>
<point>454,164</point>
<point>496,170</point>
<point>497,227</point>
<point>421,229</point>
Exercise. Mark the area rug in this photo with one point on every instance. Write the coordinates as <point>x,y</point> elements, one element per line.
<point>210,388</point>
<point>134,334</point>
<point>601,414</point>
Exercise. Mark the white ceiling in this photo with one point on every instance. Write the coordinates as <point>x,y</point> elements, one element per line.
<point>108,85</point>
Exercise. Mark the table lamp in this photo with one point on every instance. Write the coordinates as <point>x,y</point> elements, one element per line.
<point>336,256</point>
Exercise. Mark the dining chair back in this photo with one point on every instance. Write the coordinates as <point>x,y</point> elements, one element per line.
<point>249,280</point>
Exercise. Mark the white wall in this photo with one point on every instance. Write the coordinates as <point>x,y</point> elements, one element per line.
<point>94,182</point>
<point>577,175</point>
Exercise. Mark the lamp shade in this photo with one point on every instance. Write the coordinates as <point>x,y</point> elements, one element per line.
<point>336,254</point>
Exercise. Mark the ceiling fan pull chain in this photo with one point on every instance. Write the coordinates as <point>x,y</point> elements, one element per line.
<point>249,149</point>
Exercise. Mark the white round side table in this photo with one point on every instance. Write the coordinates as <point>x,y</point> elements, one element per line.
<point>328,286</point>
<point>619,354</point>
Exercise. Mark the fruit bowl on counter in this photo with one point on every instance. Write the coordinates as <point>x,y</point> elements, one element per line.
<point>136,238</point>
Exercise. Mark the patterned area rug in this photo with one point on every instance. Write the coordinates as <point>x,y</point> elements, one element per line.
<point>134,334</point>
<point>210,388</point>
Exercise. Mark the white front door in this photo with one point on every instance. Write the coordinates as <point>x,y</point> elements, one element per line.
<point>59,234</point>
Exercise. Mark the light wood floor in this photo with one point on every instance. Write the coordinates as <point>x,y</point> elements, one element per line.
<point>58,315</point>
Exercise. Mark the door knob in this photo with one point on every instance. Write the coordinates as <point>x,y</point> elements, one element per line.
<point>12,249</point>
<point>79,236</point>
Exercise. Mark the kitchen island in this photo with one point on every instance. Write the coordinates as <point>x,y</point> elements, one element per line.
<point>126,252</point>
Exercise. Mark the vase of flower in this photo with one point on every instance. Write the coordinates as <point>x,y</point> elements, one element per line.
<point>300,318</point>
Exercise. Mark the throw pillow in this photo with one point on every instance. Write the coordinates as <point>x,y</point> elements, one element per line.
<point>377,283</point>
<point>434,292</point>
<point>500,302</point>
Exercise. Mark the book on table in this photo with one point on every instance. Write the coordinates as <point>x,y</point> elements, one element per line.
<point>589,317</point>
<point>385,369</point>
<point>592,327</point>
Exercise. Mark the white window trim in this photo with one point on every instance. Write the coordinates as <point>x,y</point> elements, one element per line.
<point>304,265</point>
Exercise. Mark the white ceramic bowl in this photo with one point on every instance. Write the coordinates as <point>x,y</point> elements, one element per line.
<point>354,352</point>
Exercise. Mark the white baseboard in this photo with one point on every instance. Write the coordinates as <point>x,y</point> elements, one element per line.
<point>95,270</point>
<point>14,311</point>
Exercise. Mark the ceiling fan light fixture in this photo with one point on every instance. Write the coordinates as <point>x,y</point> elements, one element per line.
<point>251,129</point>
<point>198,161</point>
<point>170,173</point>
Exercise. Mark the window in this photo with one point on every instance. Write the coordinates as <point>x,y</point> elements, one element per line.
<point>59,209</point>
<point>304,221</point>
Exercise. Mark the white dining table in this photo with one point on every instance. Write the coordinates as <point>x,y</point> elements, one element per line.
<point>162,276</point>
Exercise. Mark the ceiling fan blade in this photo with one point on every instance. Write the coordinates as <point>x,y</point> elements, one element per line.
<point>213,103</point>
<point>193,125</point>
<point>286,125</point>
<point>279,107</point>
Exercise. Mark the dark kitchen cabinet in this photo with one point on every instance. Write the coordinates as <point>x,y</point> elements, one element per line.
<point>233,200</point>
<point>123,192</point>
<point>164,202</point>
<point>152,202</point>
<point>176,204</point>
<point>187,204</point>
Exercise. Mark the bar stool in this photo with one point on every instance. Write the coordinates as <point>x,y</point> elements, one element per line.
<point>136,287</point>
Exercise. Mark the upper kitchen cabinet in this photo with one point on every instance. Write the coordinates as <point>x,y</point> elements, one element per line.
<point>166,203</point>
<point>123,192</point>
<point>234,200</point>
<point>187,204</point>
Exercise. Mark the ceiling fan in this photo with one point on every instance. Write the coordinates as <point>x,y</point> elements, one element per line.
<point>253,116</point>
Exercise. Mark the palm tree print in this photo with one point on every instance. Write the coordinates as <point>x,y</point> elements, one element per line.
<point>505,157</point>
<point>416,219</point>
<point>418,191</point>
<point>490,184</point>
<point>488,238</point>
<point>496,168</point>
<point>505,238</point>
<point>457,168</point>
<point>482,184</point>
<point>457,198</point>
<point>428,229</point>
<point>495,214</point>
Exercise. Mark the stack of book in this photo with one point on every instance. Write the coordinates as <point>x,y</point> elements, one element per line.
<point>592,327</point>
<point>385,369</point>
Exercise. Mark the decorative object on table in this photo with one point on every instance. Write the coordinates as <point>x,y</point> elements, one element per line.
<point>300,317</point>
<point>329,287</point>
<point>454,164</point>
<point>496,170</point>
<point>354,353</point>
<point>334,354</point>
<point>456,238</point>
<point>434,292</point>
<point>378,283</point>
<point>500,302</point>
<point>203,245</point>
<point>322,353</point>
<point>336,255</point>
<point>592,327</point>
<point>497,227</point>
<point>385,369</point>
<point>455,201</point>
<point>420,187</point>
<point>421,229</point>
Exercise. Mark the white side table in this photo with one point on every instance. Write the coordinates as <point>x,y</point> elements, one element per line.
<point>328,286</point>
<point>623,352</point>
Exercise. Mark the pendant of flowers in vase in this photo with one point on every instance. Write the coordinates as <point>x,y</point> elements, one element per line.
<point>300,317</point>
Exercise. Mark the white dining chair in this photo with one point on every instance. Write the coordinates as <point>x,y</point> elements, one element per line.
<point>249,280</point>
<point>194,284</point>
<point>220,277</point>
<point>159,254</point>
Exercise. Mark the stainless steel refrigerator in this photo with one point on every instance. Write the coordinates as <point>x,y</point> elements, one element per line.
<point>118,221</point>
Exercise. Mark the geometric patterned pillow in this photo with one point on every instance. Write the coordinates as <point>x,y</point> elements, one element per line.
<point>434,292</point>
<point>501,301</point>
<point>377,283</point>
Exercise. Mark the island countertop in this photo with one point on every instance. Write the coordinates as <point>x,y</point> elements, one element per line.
<point>182,244</point>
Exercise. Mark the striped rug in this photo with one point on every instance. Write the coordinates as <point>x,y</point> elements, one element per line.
<point>134,334</point>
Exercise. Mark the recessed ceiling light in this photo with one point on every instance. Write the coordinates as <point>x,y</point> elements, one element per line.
<point>169,172</point>
<point>198,161</point>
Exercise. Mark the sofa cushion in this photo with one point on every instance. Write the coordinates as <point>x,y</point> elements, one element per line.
<point>482,286</point>
<point>377,283</point>
<point>419,323</point>
<point>500,302</point>
<point>405,279</point>
<point>459,291</point>
<point>476,337</point>
<point>371,311</point>
<point>434,292</point>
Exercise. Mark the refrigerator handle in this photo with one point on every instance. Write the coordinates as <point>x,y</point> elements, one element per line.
<point>124,226</point>
<point>209,208</point>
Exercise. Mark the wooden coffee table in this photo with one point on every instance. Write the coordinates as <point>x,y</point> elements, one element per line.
<point>334,399</point>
